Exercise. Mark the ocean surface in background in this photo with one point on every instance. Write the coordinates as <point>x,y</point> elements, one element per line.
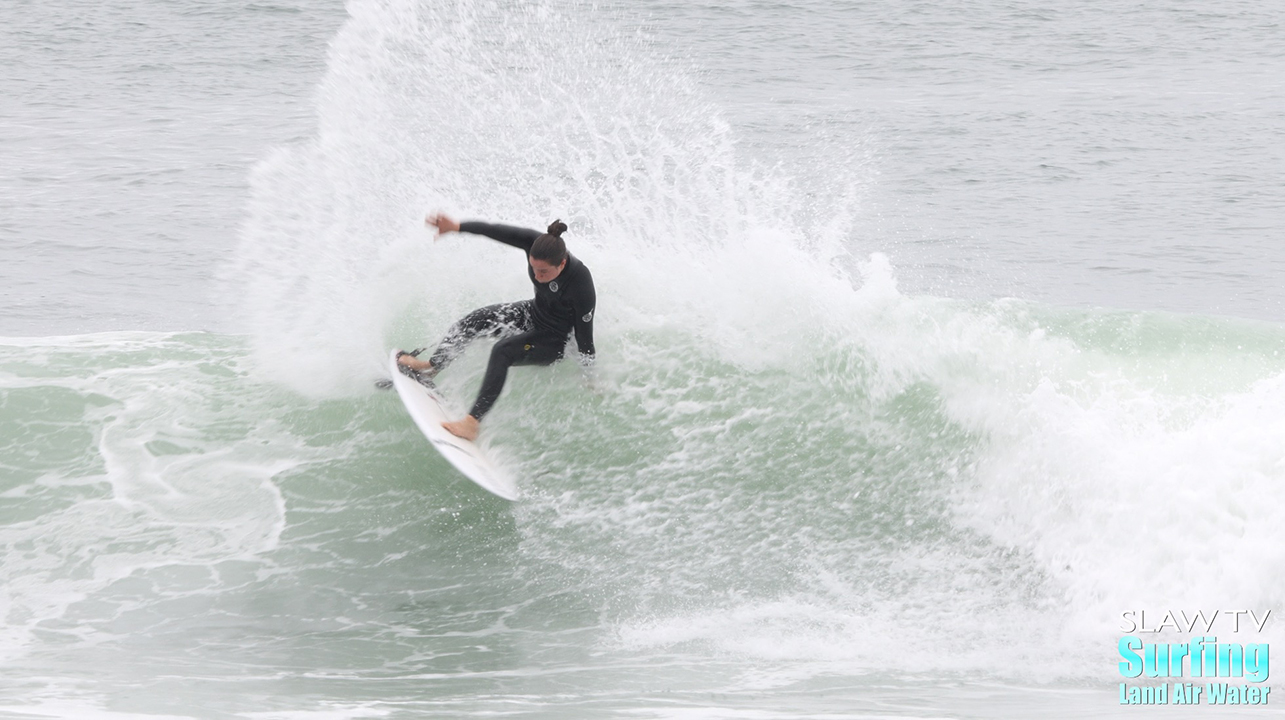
<point>933,337</point>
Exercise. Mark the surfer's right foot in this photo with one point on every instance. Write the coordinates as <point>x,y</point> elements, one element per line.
<point>465,428</point>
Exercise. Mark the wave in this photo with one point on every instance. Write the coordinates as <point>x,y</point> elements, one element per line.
<point>965,482</point>
<point>785,449</point>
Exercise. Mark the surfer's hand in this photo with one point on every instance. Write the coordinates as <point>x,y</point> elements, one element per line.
<point>443,224</point>
<point>591,382</point>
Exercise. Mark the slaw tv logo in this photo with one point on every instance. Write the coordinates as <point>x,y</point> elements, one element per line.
<point>1224,672</point>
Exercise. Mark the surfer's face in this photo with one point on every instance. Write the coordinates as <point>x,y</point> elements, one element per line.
<point>544,272</point>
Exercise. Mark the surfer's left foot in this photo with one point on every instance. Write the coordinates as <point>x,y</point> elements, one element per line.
<point>414,363</point>
<point>465,428</point>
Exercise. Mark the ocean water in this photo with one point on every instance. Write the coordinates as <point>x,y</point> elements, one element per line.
<point>934,337</point>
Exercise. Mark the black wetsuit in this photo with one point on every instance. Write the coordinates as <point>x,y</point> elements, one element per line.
<point>534,331</point>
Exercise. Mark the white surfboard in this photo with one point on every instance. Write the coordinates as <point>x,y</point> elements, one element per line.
<point>426,409</point>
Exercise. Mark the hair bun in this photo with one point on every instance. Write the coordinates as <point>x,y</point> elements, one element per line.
<point>557,227</point>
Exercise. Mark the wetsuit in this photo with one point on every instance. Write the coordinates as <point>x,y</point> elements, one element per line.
<point>534,331</point>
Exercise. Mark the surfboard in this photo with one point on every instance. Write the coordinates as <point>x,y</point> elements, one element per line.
<point>427,409</point>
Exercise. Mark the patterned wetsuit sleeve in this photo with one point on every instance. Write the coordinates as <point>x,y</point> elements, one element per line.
<point>507,234</point>
<point>584,303</point>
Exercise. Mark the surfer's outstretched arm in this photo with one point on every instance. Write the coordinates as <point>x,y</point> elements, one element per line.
<point>518,237</point>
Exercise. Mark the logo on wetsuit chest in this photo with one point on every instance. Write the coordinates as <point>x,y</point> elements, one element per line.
<point>553,286</point>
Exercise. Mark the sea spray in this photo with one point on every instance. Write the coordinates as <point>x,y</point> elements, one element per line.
<point>515,114</point>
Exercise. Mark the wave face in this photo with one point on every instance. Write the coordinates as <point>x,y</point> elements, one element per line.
<point>791,476</point>
<point>946,491</point>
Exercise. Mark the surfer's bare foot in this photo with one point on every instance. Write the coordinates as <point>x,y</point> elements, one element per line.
<point>414,363</point>
<point>465,428</point>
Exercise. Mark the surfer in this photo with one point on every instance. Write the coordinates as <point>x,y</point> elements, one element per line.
<point>532,332</point>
